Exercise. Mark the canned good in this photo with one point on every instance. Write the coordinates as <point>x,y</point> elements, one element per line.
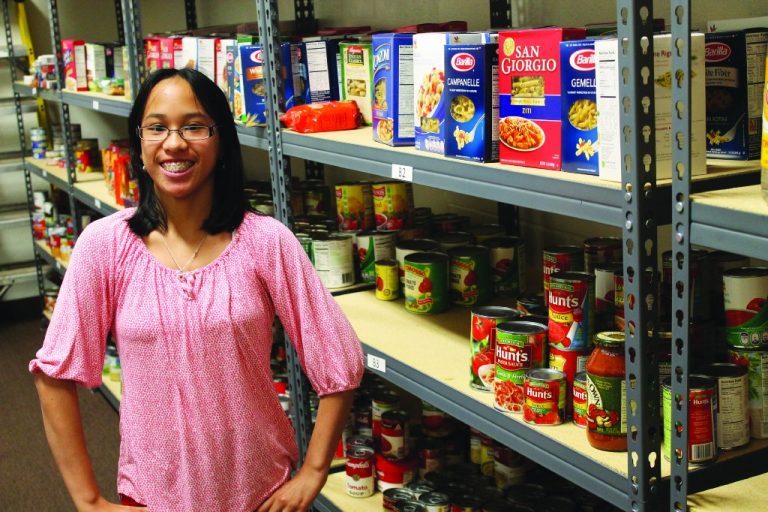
<point>436,501</point>
<point>394,434</point>
<point>746,307</point>
<point>485,232</point>
<point>605,288</point>
<point>426,282</point>
<point>600,250</point>
<point>419,488</point>
<point>333,257</point>
<point>579,400</point>
<point>466,503</point>
<point>571,310</point>
<point>410,506</point>
<point>507,264</point>
<point>487,455</point>
<point>733,404</point>
<point>394,473</point>
<point>475,441</point>
<point>560,259</point>
<point>397,495</point>
<point>445,223</point>
<point>508,467</point>
<point>387,280</point>
<point>470,272</point>
<point>520,346</point>
<point>358,440</point>
<point>354,206</point>
<point>265,206</point>
<point>545,397</point>
<point>371,247</point>
<point>702,419</point>
<point>392,205</point>
<point>406,247</point>
<point>570,362</point>
<point>756,363</point>
<point>453,240</point>
<point>359,469</point>
<point>432,418</point>
<point>483,343</point>
<point>383,400</point>
<point>430,455</point>
<point>316,197</point>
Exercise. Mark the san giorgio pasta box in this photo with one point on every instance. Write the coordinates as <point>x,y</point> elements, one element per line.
<point>472,102</point>
<point>529,96</point>
<point>357,76</point>
<point>393,89</point>
<point>579,108</point>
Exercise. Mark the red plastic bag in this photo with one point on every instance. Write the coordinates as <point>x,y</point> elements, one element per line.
<point>323,117</point>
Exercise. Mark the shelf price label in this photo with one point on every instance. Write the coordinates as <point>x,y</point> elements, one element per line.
<point>402,172</point>
<point>95,105</point>
<point>45,173</point>
<point>377,363</point>
<point>97,203</point>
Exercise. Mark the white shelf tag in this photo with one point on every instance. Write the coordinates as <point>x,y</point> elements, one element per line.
<point>58,265</point>
<point>377,363</point>
<point>45,174</point>
<point>34,91</point>
<point>402,172</point>
<point>97,203</point>
<point>95,105</point>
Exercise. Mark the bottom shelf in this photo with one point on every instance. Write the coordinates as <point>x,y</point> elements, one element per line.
<point>334,497</point>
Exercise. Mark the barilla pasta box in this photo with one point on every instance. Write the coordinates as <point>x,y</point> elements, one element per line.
<point>318,70</point>
<point>529,96</point>
<point>250,95</point>
<point>73,55</point>
<point>580,144</point>
<point>472,102</point>
<point>357,76</point>
<point>734,83</point>
<point>291,83</point>
<point>393,89</point>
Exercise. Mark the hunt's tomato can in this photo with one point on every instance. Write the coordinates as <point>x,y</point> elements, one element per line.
<point>482,343</point>
<point>746,307</point>
<point>360,480</point>
<point>387,280</point>
<point>570,362</point>
<point>702,419</point>
<point>520,346</point>
<point>545,397</point>
<point>571,310</point>
<point>354,206</point>
<point>579,399</point>
<point>426,283</point>
<point>563,258</point>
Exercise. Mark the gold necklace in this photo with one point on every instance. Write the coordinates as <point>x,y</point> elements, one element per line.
<point>183,270</point>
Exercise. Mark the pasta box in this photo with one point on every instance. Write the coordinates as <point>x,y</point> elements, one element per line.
<point>152,53</point>
<point>472,102</point>
<point>579,139</point>
<point>393,89</point>
<point>357,76</point>
<point>318,70</point>
<point>529,96</point>
<point>734,83</point>
<point>95,65</point>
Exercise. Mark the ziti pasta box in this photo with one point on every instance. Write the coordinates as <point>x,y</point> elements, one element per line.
<point>472,102</point>
<point>357,76</point>
<point>393,89</point>
<point>579,108</point>
<point>529,96</point>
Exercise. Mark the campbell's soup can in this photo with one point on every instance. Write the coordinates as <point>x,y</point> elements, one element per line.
<point>756,363</point>
<point>579,399</point>
<point>601,250</point>
<point>360,479</point>
<point>571,310</point>
<point>702,419</point>
<point>618,299</point>
<point>394,434</point>
<point>383,400</point>
<point>470,272</point>
<point>746,307</point>
<point>333,257</point>
<point>392,205</point>
<point>436,501</point>
<point>482,343</point>
<point>545,397</point>
<point>426,283</point>
<point>570,362</point>
<point>420,487</point>
<point>520,346</point>
<point>563,258</point>
<point>507,264</point>
<point>371,247</point>
<point>387,280</point>
<point>406,247</point>
<point>733,403</point>
<point>396,495</point>
<point>354,206</point>
<point>605,289</point>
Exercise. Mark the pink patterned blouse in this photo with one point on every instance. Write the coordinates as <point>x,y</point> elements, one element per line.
<point>201,425</point>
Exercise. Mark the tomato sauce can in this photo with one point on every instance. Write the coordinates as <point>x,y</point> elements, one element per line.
<point>354,206</point>
<point>445,223</point>
<point>387,280</point>
<point>406,247</point>
<point>394,434</point>
<point>333,257</point>
<point>605,289</point>
<point>396,495</point>
<point>436,501</point>
<point>733,404</point>
<point>384,400</point>
<point>371,247</point>
<point>702,419</point>
<point>394,473</point>
<point>570,362</point>
<point>563,258</point>
<point>426,283</point>
<point>507,264</point>
<point>545,397</point>
<point>579,399</point>
<point>571,310</point>
<point>470,275</point>
<point>360,479</point>
<point>482,343</point>
<point>520,346</point>
<point>756,363</point>
<point>601,250</point>
<point>392,205</point>
<point>746,307</point>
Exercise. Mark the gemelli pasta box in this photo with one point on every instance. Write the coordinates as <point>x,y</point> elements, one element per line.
<point>357,76</point>
<point>529,96</point>
<point>579,108</point>
<point>393,89</point>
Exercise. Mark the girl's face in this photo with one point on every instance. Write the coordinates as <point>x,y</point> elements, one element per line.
<point>179,168</point>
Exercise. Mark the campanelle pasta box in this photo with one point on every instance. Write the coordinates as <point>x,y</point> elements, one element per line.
<point>393,89</point>
<point>529,96</point>
<point>357,76</point>
<point>608,108</point>
<point>580,147</point>
<point>472,102</point>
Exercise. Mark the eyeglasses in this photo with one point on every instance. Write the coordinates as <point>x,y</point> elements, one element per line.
<point>192,132</point>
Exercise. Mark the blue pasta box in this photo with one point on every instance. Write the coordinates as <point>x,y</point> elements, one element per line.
<point>318,69</point>
<point>578,126</point>
<point>472,102</point>
<point>393,89</point>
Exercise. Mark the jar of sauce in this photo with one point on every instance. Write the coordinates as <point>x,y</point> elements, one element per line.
<point>607,394</point>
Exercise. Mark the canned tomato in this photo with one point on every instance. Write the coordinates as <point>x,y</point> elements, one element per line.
<point>601,250</point>
<point>394,473</point>
<point>396,495</point>
<point>406,247</point>
<point>435,501</point>
<point>426,282</point>
<point>470,275</point>
<point>545,397</point>
<point>450,241</point>
<point>756,363</point>
<point>392,205</point>
<point>354,206</point>
<point>485,232</point>
<point>394,434</point>
<point>520,346</point>
<point>570,362</point>
<point>387,280</point>
<point>482,343</point>
<point>702,419</point>
<point>333,257</point>
<point>605,288</point>
<point>579,399</point>
<point>360,481</point>
<point>733,404</point>
<point>571,310</point>
<point>746,307</point>
<point>371,247</point>
<point>618,299</point>
<point>507,264</point>
<point>508,467</point>
<point>383,400</point>
<point>560,259</point>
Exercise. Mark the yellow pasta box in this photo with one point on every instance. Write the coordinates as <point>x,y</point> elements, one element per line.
<point>579,107</point>
<point>357,76</point>
<point>393,89</point>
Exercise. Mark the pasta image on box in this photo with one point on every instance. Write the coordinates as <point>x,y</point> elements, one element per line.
<point>393,89</point>
<point>529,96</point>
<point>357,76</point>
<point>472,102</point>
<point>580,146</point>
<point>250,97</point>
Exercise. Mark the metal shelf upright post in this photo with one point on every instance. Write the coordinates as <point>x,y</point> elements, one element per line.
<point>131,19</point>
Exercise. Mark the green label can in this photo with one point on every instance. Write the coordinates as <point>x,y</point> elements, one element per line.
<point>373,246</point>
<point>746,307</point>
<point>426,282</point>
<point>702,419</point>
<point>520,346</point>
<point>470,275</point>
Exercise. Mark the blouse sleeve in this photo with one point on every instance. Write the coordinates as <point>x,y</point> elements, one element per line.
<point>328,348</point>
<point>75,341</point>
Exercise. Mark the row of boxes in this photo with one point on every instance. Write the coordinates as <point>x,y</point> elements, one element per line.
<point>95,67</point>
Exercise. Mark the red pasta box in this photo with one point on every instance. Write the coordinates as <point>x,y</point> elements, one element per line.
<point>529,96</point>
<point>73,52</point>
<point>152,53</point>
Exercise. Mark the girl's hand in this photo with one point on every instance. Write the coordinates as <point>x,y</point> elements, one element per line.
<point>298,493</point>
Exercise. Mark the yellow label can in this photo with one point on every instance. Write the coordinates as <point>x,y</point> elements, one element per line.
<point>387,280</point>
